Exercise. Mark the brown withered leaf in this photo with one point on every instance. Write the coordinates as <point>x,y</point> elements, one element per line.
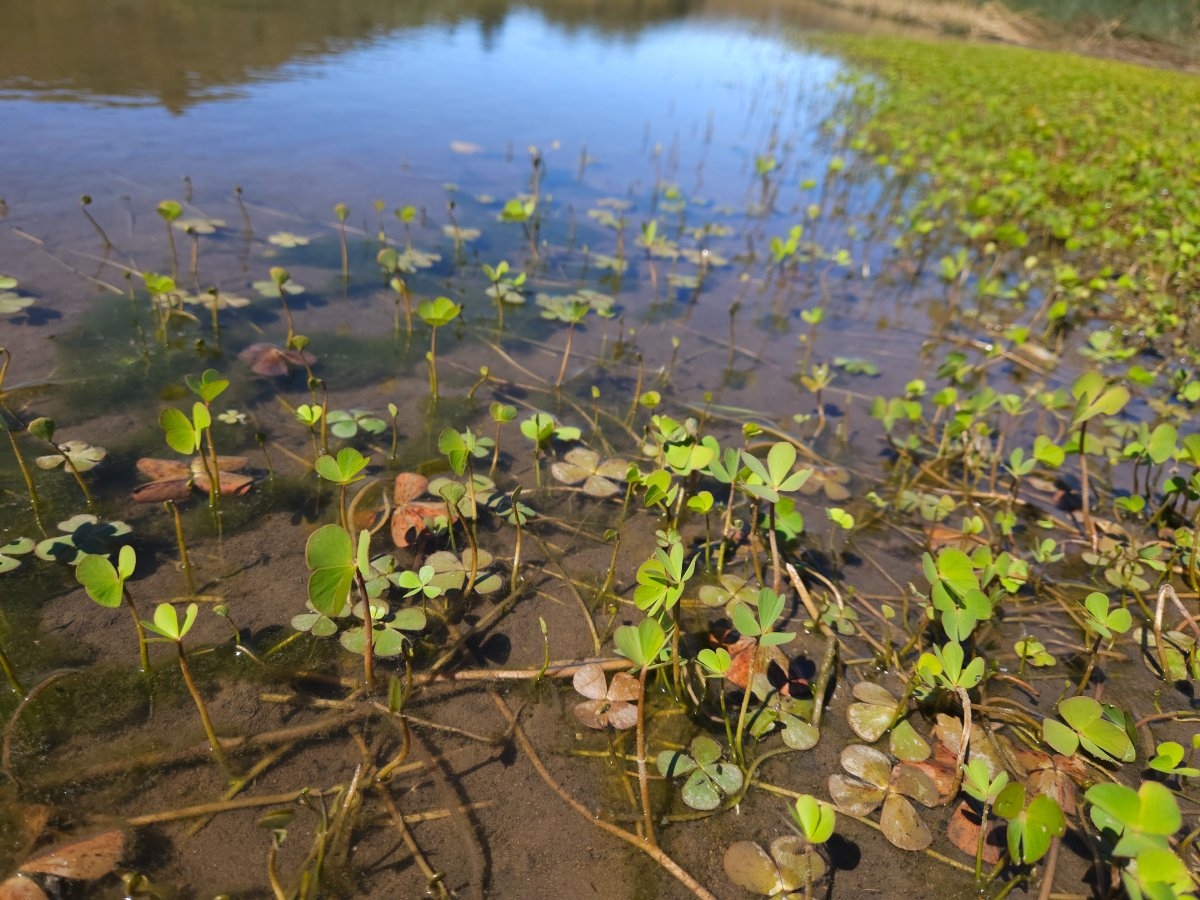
<point>963,831</point>
<point>174,480</point>
<point>272,361</point>
<point>408,518</point>
<point>606,704</point>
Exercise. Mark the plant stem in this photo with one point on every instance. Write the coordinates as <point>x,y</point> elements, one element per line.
<point>1084,494</point>
<point>433,382</point>
<point>185,562</point>
<point>174,255</point>
<point>209,731</point>
<point>776,572</point>
<point>87,495</point>
<point>562,369</point>
<point>643,777</point>
<point>741,724</point>
<point>143,646</point>
<point>85,201</point>
<point>11,674</point>
<point>29,485</point>
<point>1091,664</point>
<point>368,634</point>
<point>345,252</point>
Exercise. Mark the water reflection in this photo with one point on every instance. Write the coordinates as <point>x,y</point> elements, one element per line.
<point>184,52</point>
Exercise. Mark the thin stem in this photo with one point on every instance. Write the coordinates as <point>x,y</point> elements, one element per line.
<point>143,645</point>
<point>185,562</point>
<point>368,634</point>
<point>1084,493</point>
<point>643,777</point>
<point>29,485</point>
<point>433,382</point>
<point>87,495</point>
<point>10,673</point>
<point>1093,654</point>
<point>85,201</point>
<point>741,724</point>
<point>209,731</point>
<point>562,369</point>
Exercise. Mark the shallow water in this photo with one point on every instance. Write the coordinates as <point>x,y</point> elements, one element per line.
<point>712,128</point>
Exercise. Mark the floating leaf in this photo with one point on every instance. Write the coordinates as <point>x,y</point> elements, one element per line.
<point>606,704</point>
<point>81,454</point>
<point>874,712</point>
<point>287,239</point>
<point>709,779</point>
<point>600,478</point>
<point>14,548</point>
<point>84,534</point>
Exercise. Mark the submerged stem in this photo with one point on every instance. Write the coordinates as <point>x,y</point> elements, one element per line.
<point>209,731</point>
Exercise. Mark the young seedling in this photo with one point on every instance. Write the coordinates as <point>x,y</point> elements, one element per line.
<point>169,211</point>
<point>756,624</point>
<point>504,290</point>
<point>1139,827</point>
<point>337,567</point>
<point>1093,397</point>
<point>343,470</point>
<point>435,314</point>
<point>978,783</point>
<point>501,413</point>
<point>166,624</point>
<point>1100,728</point>
<point>1031,827</point>
<point>767,482</point>
<point>105,583</point>
<point>642,645</point>
<point>816,821</point>
<point>280,278</point>
<point>1103,624</point>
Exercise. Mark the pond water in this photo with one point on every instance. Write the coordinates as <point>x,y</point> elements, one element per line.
<point>701,257</point>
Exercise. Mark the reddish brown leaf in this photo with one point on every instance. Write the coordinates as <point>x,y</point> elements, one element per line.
<point>269,360</point>
<point>174,480</point>
<point>87,859</point>
<point>232,483</point>
<point>21,888</point>
<point>409,486</point>
<point>963,831</point>
<point>162,491</point>
<point>408,519</point>
<point>162,469</point>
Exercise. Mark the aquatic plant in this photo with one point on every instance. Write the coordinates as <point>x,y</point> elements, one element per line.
<point>105,583</point>
<point>170,629</point>
<point>436,313</point>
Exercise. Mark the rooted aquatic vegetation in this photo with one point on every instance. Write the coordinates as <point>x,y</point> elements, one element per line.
<point>990,508</point>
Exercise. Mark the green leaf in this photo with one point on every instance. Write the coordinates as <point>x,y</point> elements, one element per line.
<point>209,386</point>
<point>101,580</point>
<point>438,312</point>
<point>182,435</point>
<point>330,555</point>
<point>346,468</point>
<point>642,644</point>
<point>815,818</point>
